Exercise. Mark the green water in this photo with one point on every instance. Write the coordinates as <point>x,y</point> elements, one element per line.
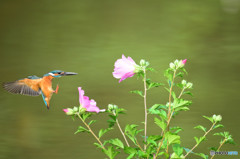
<point>87,37</point>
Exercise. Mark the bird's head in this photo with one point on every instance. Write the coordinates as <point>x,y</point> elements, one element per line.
<point>58,73</point>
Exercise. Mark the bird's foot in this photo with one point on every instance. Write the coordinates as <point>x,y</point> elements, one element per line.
<point>56,90</point>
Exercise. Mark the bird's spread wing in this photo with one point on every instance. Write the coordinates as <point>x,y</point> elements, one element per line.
<point>24,86</point>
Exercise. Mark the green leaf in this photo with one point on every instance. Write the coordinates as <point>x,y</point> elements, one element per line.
<point>202,155</point>
<point>98,145</point>
<point>150,69</point>
<point>131,156</point>
<point>218,126</point>
<point>209,118</point>
<point>180,85</point>
<point>113,117</point>
<point>219,134</point>
<point>155,109</point>
<point>153,139</point>
<point>200,139</point>
<point>86,115</point>
<point>178,149</point>
<point>188,92</point>
<point>130,150</point>
<point>169,74</point>
<point>116,142</point>
<point>137,92</point>
<point>201,128</point>
<point>181,103</point>
<point>111,123</point>
<point>172,139</point>
<point>180,74</point>
<point>178,129</point>
<point>160,123</point>
<point>91,122</point>
<point>110,152</point>
<point>103,131</point>
<point>154,84</point>
<point>81,129</point>
<point>196,139</point>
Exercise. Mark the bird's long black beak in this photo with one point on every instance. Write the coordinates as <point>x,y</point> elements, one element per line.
<point>69,73</point>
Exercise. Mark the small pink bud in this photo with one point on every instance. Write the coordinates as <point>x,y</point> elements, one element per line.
<point>65,110</point>
<point>184,61</point>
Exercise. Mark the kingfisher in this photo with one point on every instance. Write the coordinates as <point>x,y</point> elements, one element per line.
<point>35,86</point>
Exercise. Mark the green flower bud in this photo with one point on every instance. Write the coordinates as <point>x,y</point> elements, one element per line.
<point>189,85</point>
<point>184,82</point>
<point>75,109</point>
<point>69,111</point>
<point>217,118</point>
<point>172,66</point>
<point>112,107</point>
<point>144,63</point>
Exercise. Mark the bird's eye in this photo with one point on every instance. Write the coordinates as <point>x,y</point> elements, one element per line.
<point>59,72</point>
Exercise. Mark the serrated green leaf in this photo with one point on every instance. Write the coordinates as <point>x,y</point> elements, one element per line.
<point>209,118</point>
<point>81,129</point>
<point>160,123</point>
<point>201,128</point>
<point>91,122</point>
<point>137,92</point>
<point>116,142</point>
<point>172,138</point>
<point>181,102</point>
<point>103,131</point>
<point>130,150</point>
<point>177,149</point>
<point>111,152</point>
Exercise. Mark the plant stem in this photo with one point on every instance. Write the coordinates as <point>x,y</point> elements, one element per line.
<point>181,92</point>
<point>91,131</point>
<point>138,144</point>
<point>199,143</point>
<point>121,131</point>
<point>145,107</point>
<point>169,114</point>
<point>170,99</point>
<point>219,147</point>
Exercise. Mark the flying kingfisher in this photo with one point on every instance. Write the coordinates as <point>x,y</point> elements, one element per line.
<point>34,86</point>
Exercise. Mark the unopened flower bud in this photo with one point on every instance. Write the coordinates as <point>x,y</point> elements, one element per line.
<point>68,111</point>
<point>184,82</point>
<point>75,109</point>
<point>144,63</point>
<point>189,85</point>
<point>172,66</point>
<point>217,118</point>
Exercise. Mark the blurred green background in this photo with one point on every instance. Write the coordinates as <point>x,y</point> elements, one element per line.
<point>87,37</point>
